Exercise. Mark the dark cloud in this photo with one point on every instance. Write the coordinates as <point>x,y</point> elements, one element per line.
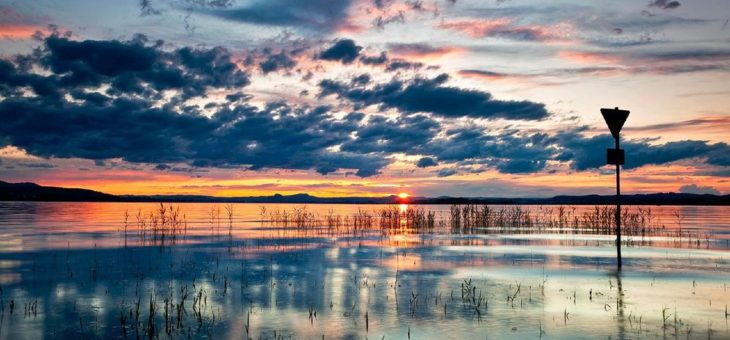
<point>417,49</point>
<point>391,65</point>
<point>361,79</point>
<point>374,60</point>
<point>521,166</point>
<point>485,74</point>
<point>315,15</point>
<point>401,64</point>
<point>385,19</point>
<point>447,172</point>
<point>131,100</point>
<point>132,120</point>
<point>38,165</point>
<point>693,55</point>
<point>431,95</point>
<point>275,137</point>
<point>522,34</point>
<point>382,3</point>
<point>508,152</point>
<point>146,8</point>
<point>404,134</point>
<point>475,149</point>
<point>131,67</point>
<point>278,61</point>
<point>586,153</point>
<point>664,4</point>
<point>426,162</point>
<point>344,50</point>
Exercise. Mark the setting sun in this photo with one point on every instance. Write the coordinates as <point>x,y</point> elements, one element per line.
<point>403,195</point>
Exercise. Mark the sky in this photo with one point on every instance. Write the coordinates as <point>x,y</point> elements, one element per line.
<point>492,98</point>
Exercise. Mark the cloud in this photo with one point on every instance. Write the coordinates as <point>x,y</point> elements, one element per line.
<point>421,50</point>
<point>475,149</point>
<point>374,60</point>
<point>146,8</point>
<point>314,15</point>
<point>391,64</point>
<point>404,134</point>
<point>426,162</point>
<point>278,61</point>
<point>581,23</point>
<point>344,50</point>
<point>401,64</point>
<point>38,165</point>
<point>17,32</point>
<point>432,96</point>
<point>651,59</point>
<point>127,67</point>
<point>141,102</point>
<point>275,137</point>
<point>586,152</point>
<point>701,124</point>
<point>493,76</point>
<point>17,24</point>
<point>646,60</point>
<point>664,4</point>
<point>504,28</point>
<point>446,172</point>
<point>133,120</point>
<point>508,151</point>
<point>521,166</point>
<point>697,189</point>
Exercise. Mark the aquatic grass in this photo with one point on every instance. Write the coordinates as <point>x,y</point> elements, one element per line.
<point>167,223</point>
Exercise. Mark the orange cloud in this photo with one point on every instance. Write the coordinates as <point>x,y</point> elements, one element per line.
<point>17,32</point>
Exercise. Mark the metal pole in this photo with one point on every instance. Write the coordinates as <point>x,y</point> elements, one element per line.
<point>618,208</point>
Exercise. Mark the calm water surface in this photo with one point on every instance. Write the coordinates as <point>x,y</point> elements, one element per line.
<point>71,270</point>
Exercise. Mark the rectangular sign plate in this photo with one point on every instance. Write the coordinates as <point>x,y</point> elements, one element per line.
<point>615,157</point>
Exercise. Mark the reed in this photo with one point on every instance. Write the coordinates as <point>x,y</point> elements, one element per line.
<point>165,224</point>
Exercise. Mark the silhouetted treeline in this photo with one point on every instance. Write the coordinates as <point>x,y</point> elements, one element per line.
<point>34,192</point>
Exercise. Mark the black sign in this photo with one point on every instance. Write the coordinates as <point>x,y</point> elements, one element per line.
<point>615,157</point>
<point>615,119</point>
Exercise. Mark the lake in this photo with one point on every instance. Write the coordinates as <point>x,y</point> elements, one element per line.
<point>199,270</point>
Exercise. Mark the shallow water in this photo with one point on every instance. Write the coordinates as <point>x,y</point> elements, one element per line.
<point>70,270</point>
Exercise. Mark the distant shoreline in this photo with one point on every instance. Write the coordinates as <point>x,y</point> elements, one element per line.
<point>31,192</point>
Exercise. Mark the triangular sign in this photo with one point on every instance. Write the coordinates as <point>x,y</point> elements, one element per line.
<point>615,119</point>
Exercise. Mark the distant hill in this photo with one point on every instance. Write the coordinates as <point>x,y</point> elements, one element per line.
<point>35,192</point>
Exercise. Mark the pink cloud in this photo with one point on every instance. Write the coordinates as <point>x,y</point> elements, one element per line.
<point>508,29</point>
<point>423,51</point>
<point>17,32</point>
<point>589,57</point>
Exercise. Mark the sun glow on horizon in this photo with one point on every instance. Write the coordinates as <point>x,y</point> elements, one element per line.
<point>403,195</point>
